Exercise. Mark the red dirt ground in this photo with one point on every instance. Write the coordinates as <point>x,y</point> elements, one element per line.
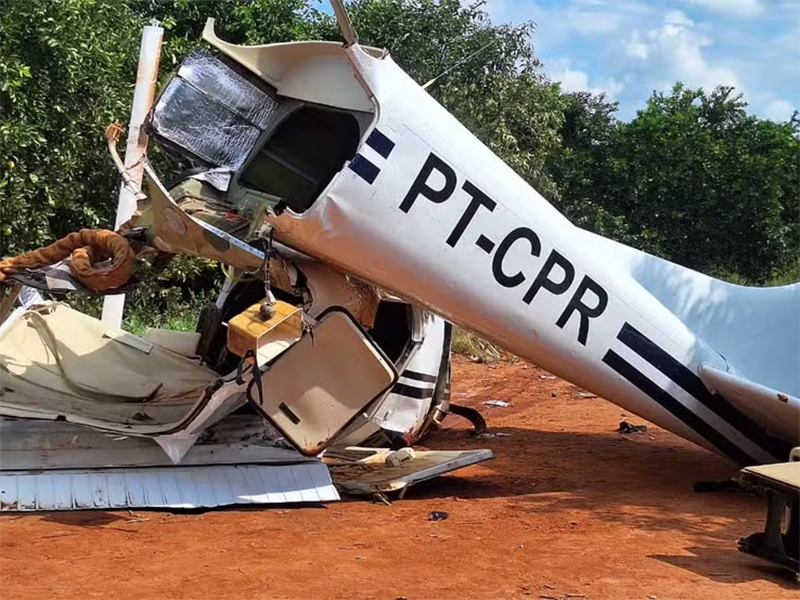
<point>568,509</point>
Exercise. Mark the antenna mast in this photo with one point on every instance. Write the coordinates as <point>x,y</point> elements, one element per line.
<point>345,24</point>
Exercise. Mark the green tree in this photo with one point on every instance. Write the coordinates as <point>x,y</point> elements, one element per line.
<point>717,189</point>
<point>585,166</point>
<point>66,70</point>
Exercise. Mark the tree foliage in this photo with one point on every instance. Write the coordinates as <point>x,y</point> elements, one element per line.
<point>66,70</point>
<point>717,188</point>
<point>693,177</point>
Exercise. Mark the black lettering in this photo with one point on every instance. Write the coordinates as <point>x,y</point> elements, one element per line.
<point>586,312</point>
<point>420,185</point>
<point>520,233</point>
<point>484,244</point>
<point>478,199</point>
<point>552,286</point>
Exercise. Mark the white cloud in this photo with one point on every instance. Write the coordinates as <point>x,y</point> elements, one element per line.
<point>575,80</point>
<point>779,110</point>
<point>676,17</point>
<point>736,8</point>
<point>591,22</point>
<point>636,47</point>
<point>674,50</point>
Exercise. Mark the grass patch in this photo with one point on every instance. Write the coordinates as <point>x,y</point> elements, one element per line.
<point>170,311</point>
<point>180,317</point>
<point>469,344</point>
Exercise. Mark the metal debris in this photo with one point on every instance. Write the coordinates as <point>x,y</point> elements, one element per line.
<point>438,515</point>
<point>625,427</point>
<point>500,403</point>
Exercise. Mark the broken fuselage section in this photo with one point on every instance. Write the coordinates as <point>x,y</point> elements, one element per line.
<point>255,150</point>
<point>324,176</point>
<point>338,362</point>
<point>419,207</point>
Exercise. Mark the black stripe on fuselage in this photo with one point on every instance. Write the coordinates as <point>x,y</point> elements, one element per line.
<point>412,392</point>
<point>364,168</point>
<point>666,401</point>
<point>692,384</point>
<point>418,376</point>
<point>380,143</point>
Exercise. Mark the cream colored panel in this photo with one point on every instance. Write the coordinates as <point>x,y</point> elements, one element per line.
<point>317,386</point>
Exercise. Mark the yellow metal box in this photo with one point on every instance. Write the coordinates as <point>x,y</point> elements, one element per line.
<point>266,338</point>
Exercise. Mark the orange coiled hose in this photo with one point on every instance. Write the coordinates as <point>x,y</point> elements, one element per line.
<point>86,247</point>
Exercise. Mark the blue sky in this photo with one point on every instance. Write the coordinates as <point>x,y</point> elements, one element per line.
<point>628,48</point>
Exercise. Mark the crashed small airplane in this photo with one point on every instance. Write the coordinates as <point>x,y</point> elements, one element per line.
<point>358,218</point>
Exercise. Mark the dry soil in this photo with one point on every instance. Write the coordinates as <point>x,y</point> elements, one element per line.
<point>569,508</point>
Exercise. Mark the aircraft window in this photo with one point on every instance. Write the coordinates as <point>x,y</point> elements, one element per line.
<point>211,112</point>
<point>392,329</point>
<point>307,149</point>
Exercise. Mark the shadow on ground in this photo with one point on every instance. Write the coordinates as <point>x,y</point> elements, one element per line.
<point>725,564</point>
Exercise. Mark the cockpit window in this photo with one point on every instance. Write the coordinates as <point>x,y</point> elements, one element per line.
<point>240,130</point>
<point>303,154</point>
<point>211,112</point>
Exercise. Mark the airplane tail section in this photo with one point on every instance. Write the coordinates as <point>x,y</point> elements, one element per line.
<point>755,330</point>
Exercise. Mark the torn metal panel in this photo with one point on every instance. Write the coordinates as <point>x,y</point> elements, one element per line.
<point>59,360</point>
<point>110,385</point>
<point>60,466</point>
<point>176,232</point>
<point>219,179</point>
<point>29,444</point>
<point>173,230</point>
<point>408,403</point>
<point>177,444</point>
<point>313,71</point>
<point>408,409</point>
<point>372,475</point>
<point>330,287</point>
<point>173,487</point>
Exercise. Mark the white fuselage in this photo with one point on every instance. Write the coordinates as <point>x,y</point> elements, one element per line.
<point>430,213</point>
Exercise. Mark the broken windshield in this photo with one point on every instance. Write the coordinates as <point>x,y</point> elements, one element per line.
<point>211,112</point>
